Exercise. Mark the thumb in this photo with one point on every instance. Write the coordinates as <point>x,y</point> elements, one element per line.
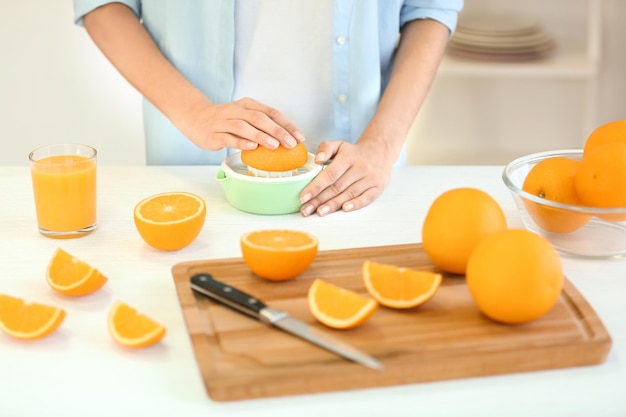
<point>326,151</point>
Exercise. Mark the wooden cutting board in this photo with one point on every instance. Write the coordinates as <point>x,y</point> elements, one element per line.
<point>445,338</point>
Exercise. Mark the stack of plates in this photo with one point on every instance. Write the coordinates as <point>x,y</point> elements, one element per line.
<point>502,37</point>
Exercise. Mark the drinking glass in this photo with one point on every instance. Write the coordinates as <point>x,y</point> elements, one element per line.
<point>64,187</point>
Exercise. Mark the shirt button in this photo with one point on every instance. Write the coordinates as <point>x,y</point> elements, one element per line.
<point>341,40</point>
<point>342,98</point>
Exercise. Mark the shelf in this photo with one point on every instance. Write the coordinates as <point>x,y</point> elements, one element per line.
<point>502,110</point>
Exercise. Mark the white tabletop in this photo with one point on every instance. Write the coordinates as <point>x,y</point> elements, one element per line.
<point>80,371</point>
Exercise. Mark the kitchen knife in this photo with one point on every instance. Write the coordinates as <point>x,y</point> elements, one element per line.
<point>247,304</point>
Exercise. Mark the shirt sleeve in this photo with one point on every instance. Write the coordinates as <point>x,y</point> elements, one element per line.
<point>443,11</point>
<point>83,7</point>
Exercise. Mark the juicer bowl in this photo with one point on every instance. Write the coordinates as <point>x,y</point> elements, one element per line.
<point>259,195</point>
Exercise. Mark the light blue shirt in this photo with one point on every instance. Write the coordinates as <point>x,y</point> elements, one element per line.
<point>198,38</point>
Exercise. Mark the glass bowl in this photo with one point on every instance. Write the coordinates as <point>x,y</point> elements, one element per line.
<point>600,233</point>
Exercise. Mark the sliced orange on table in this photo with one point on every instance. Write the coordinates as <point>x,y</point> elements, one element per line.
<point>27,320</point>
<point>398,287</point>
<point>130,328</point>
<point>170,221</point>
<point>69,275</point>
<point>338,307</point>
<point>278,254</point>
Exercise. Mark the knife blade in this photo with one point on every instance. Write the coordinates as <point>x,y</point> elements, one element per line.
<point>232,297</point>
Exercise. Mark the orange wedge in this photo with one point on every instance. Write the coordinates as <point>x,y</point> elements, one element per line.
<point>28,321</point>
<point>70,276</point>
<point>170,221</point>
<point>130,328</point>
<point>338,307</point>
<point>398,287</point>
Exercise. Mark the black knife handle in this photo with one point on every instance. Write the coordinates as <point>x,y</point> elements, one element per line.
<point>239,300</point>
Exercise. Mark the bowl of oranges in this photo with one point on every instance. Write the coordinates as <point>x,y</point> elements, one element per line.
<point>576,198</point>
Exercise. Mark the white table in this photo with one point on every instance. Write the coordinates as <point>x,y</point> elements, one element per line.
<point>80,371</point>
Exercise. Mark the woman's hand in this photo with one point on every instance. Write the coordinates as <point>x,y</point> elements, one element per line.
<point>241,124</point>
<point>359,173</point>
<point>356,176</point>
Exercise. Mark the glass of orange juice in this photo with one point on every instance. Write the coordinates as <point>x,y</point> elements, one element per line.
<point>64,187</point>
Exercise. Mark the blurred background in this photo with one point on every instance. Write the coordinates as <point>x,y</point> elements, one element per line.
<point>493,100</point>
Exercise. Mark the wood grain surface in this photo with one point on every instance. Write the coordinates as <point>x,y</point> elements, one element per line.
<point>445,338</point>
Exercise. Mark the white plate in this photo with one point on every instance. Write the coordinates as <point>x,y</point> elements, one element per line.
<point>503,24</point>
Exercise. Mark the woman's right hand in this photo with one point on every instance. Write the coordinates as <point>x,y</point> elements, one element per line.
<point>241,124</point>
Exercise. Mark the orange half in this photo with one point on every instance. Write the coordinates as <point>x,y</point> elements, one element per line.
<point>170,221</point>
<point>275,160</point>
<point>278,254</point>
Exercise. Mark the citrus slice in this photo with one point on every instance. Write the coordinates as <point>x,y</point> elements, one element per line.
<point>28,321</point>
<point>69,275</point>
<point>170,221</point>
<point>398,287</point>
<point>278,254</point>
<point>338,307</point>
<point>130,328</point>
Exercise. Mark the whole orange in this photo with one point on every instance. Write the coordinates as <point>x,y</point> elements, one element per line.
<point>514,276</point>
<point>278,254</point>
<point>455,223</point>
<point>553,179</point>
<point>601,178</point>
<point>614,131</point>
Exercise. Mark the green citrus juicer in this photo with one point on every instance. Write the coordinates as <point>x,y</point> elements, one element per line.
<point>260,195</point>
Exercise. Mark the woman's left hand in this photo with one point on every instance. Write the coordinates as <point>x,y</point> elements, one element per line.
<point>359,173</point>
<point>356,176</point>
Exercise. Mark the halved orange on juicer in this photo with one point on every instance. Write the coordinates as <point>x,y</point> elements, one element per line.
<point>261,161</point>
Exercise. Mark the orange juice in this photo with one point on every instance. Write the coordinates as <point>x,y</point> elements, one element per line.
<point>64,187</point>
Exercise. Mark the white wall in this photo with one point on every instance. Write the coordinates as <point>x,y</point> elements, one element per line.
<point>55,86</point>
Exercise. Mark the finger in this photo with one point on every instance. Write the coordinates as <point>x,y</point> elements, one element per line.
<point>336,199</point>
<point>326,178</point>
<point>362,200</point>
<point>220,140</point>
<point>326,151</point>
<point>272,122</point>
<point>236,142</point>
<point>243,129</point>
<point>332,193</point>
<point>281,120</point>
<point>353,198</point>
